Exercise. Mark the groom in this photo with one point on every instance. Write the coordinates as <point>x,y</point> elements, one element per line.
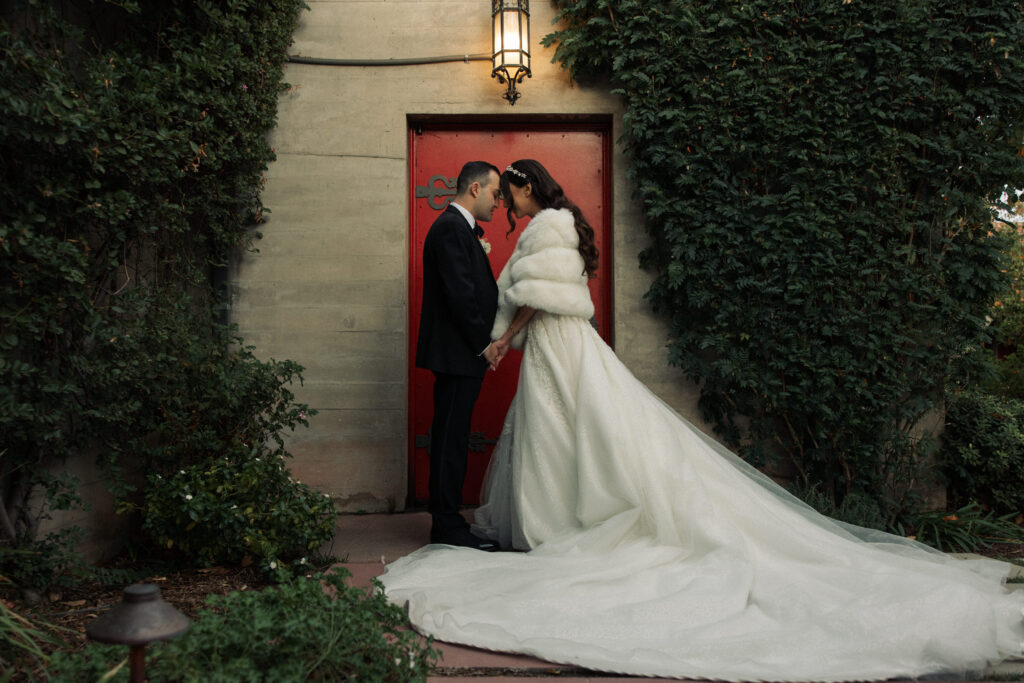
<point>460,299</point>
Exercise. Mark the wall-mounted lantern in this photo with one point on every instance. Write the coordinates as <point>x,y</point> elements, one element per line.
<point>511,31</point>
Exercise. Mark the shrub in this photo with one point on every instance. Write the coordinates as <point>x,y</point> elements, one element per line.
<point>185,389</point>
<point>817,179</point>
<point>48,561</point>
<point>24,644</point>
<point>317,628</point>
<point>982,456</point>
<point>1008,375</point>
<point>857,509</point>
<point>967,530</point>
<point>193,400</point>
<point>1008,314</point>
<point>206,419</point>
<point>245,503</point>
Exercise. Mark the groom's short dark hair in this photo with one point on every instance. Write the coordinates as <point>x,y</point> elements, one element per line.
<point>474,171</point>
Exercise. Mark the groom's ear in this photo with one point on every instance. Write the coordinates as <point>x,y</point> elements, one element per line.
<point>474,189</point>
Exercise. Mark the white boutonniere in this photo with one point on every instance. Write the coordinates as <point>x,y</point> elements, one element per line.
<point>485,244</point>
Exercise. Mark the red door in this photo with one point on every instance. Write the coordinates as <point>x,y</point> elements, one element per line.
<point>578,158</point>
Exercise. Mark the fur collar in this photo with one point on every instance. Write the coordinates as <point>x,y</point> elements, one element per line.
<point>549,228</point>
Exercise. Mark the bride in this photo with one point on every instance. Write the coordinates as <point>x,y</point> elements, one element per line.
<point>653,550</point>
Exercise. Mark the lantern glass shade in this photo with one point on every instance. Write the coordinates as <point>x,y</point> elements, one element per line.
<point>511,34</point>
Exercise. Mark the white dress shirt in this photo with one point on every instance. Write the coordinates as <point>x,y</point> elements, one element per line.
<point>472,225</point>
<point>466,214</point>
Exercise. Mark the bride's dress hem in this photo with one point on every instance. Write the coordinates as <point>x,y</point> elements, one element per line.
<point>625,671</point>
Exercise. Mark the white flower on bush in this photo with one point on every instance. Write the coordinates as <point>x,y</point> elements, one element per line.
<point>183,471</point>
<point>302,561</point>
<point>273,564</point>
<point>188,496</point>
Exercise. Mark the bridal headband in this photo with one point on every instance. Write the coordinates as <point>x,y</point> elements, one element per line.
<point>517,172</point>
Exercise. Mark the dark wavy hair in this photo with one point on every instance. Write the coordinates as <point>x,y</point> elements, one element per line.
<point>549,195</point>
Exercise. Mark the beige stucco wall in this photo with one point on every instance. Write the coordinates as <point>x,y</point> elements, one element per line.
<point>329,285</point>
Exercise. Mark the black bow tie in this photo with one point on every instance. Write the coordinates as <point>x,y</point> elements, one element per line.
<point>478,231</point>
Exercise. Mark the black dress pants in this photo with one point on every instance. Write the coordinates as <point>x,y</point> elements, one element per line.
<point>454,398</point>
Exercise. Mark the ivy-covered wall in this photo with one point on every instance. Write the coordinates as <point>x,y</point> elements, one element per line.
<point>817,177</point>
<point>132,147</point>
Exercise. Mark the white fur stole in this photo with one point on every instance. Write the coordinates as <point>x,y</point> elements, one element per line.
<point>544,272</point>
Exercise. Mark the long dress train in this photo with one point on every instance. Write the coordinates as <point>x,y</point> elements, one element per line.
<point>655,551</point>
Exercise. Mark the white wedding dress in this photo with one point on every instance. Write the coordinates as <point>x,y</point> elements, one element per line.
<point>655,551</point>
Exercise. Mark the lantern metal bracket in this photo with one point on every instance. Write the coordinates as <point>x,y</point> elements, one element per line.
<point>511,94</point>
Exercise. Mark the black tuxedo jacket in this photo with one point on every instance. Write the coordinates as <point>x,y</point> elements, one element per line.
<point>460,299</point>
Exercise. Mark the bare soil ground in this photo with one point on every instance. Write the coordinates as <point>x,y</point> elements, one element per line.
<point>186,589</point>
<point>71,610</point>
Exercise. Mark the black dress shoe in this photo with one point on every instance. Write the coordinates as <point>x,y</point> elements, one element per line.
<point>464,539</point>
<point>487,545</point>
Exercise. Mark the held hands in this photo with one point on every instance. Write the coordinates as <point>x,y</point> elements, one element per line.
<point>502,346</point>
<point>495,351</point>
<point>492,356</point>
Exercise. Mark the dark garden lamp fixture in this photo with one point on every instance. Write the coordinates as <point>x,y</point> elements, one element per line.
<point>142,617</point>
<point>510,21</point>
